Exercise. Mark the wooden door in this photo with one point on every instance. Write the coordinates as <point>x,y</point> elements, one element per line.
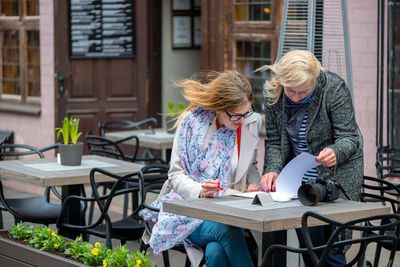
<point>108,88</point>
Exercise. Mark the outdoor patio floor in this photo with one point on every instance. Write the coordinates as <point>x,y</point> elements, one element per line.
<point>177,259</point>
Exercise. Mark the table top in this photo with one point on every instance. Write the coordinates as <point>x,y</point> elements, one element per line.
<point>240,212</point>
<point>47,172</point>
<point>159,139</point>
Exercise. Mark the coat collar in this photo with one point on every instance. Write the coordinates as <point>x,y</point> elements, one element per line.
<point>316,97</point>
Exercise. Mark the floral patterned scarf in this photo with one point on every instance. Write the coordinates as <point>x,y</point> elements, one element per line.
<point>213,160</point>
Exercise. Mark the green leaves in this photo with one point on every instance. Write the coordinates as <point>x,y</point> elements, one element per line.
<point>171,108</point>
<point>74,124</point>
<point>42,237</point>
<point>69,128</point>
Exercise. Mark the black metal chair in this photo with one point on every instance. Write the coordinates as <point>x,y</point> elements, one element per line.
<point>152,178</point>
<point>36,209</point>
<point>319,254</point>
<point>99,145</point>
<point>380,190</point>
<point>120,125</point>
<point>127,229</point>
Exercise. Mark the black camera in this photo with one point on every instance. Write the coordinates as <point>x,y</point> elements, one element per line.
<point>324,188</point>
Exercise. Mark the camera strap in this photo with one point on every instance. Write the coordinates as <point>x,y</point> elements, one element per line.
<point>341,189</point>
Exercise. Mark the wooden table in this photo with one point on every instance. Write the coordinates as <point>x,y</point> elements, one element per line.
<point>159,139</point>
<point>275,219</point>
<point>47,172</point>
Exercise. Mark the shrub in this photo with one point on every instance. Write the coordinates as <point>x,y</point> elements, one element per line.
<point>44,238</point>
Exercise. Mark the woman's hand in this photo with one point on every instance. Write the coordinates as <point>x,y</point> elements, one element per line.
<point>327,157</point>
<point>210,187</point>
<point>268,181</point>
<point>253,187</point>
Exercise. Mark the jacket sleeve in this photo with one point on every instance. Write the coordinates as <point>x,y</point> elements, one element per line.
<point>273,161</point>
<point>347,136</point>
<point>178,180</point>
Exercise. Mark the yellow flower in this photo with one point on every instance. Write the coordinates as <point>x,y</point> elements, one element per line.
<point>95,251</point>
<point>54,234</point>
<point>55,246</point>
<point>138,262</point>
<point>49,230</point>
<point>79,239</point>
<point>44,244</point>
<point>91,246</point>
<point>104,263</point>
<point>97,244</point>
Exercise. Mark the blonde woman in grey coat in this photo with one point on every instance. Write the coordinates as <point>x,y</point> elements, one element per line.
<point>309,109</point>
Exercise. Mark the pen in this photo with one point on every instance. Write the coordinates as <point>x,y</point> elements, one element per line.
<point>207,178</point>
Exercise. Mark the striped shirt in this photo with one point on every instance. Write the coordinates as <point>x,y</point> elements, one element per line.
<point>299,145</point>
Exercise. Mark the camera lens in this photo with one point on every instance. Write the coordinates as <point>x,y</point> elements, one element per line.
<point>310,194</point>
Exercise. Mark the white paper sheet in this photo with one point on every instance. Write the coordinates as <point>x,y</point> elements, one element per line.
<point>289,180</point>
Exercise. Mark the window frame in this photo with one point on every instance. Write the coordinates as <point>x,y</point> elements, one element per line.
<point>253,31</point>
<point>23,24</point>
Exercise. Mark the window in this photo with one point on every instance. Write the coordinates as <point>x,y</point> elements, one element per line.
<point>249,56</point>
<point>249,10</point>
<point>19,55</point>
<point>254,34</point>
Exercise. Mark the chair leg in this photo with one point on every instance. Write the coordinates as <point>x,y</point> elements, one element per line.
<point>187,262</point>
<point>165,258</point>
<point>126,200</point>
<point>91,211</point>
<point>143,246</point>
<point>377,255</point>
<point>1,220</point>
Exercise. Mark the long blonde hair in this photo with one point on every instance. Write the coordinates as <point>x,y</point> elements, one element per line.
<point>228,90</point>
<point>293,69</point>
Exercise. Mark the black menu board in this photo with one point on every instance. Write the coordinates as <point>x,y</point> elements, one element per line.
<point>101,28</point>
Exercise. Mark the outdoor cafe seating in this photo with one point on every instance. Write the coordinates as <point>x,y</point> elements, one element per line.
<point>319,254</point>
<point>99,145</point>
<point>126,229</point>
<point>36,209</point>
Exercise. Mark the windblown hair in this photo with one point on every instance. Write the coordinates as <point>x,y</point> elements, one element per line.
<point>228,90</point>
<point>293,69</point>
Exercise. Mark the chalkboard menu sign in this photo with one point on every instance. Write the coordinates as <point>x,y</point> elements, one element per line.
<point>101,28</point>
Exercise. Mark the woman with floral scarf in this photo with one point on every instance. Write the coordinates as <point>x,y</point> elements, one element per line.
<point>214,153</point>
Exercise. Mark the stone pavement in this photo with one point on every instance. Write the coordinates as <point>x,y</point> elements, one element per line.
<point>177,259</point>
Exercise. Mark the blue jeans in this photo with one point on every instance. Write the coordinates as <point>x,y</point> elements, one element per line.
<point>224,245</point>
<point>319,235</point>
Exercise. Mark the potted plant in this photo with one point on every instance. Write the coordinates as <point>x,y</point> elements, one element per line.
<point>170,120</point>
<point>70,152</point>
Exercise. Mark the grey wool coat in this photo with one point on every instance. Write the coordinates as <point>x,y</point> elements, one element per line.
<point>331,123</point>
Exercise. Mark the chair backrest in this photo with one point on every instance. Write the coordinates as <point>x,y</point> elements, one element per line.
<point>388,167</point>
<point>118,125</point>
<point>103,201</point>
<point>99,145</point>
<point>380,190</point>
<point>17,150</point>
<point>320,254</point>
<point>151,179</point>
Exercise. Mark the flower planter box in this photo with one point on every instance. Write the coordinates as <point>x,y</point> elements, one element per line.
<point>16,254</point>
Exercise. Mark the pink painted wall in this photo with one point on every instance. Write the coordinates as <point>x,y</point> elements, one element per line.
<point>38,130</point>
<point>362,15</point>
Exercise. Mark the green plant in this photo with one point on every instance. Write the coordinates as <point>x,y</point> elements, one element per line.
<point>171,108</point>
<point>69,128</point>
<point>42,237</point>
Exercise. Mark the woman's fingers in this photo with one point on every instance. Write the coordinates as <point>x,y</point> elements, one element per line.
<point>327,157</point>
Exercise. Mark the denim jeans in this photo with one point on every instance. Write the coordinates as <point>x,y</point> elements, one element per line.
<point>224,245</point>
<point>319,235</point>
